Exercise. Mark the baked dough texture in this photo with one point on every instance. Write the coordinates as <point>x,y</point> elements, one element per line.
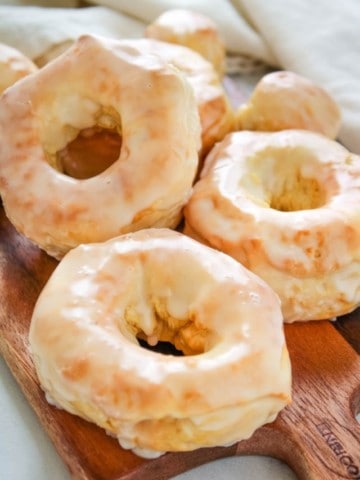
<point>193,30</point>
<point>159,285</point>
<point>283,100</point>
<point>13,66</point>
<point>111,84</point>
<point>286,205</point>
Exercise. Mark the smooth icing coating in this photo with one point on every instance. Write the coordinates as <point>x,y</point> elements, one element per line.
<point>286,205</point>
<point>217,117</point>
<point>112,84</point>
<point>284,100</point>
<point>159,285</point>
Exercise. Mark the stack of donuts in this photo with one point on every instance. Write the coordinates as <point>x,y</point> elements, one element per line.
<point>175,218</point>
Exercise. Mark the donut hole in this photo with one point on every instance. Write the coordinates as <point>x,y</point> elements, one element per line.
<point>175,337</point>
<point>290,179</point>
<point>297,193</point>
<point>90,153</point>
<point>165,348</point>
<point>81,138</point>
<point>171,336</point>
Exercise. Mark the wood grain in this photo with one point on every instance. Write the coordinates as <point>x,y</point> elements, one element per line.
<point>317,435</point>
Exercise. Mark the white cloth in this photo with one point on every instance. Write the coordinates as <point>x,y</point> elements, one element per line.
<point>36,30</point>
<point>316,38</point>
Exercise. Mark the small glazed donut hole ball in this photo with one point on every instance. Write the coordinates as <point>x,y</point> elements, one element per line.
<point>286,205</point>
<point>193,30</point>
<point>13,66</point>
<point>284,100</point>
<point>142,178</point>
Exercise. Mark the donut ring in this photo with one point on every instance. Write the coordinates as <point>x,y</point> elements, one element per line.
<point>109,83</point>
<point>13,66</point>
<point>284,100</point>
<point>103,297</point>
<point>286,205</point>
<point>216,114</point>
<point>193,30</point>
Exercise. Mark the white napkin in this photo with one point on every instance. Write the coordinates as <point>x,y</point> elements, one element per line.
<point>319,39</point>
<point>36,31</point>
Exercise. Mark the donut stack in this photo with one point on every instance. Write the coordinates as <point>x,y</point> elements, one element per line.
<point>101,158</point>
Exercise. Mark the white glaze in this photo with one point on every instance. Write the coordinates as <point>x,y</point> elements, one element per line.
<point>216,114</point>
<point>154,108</point>
<point>234,378</point>
<point>310,256</point>
<point>193,30</point>
<point>283,100</point>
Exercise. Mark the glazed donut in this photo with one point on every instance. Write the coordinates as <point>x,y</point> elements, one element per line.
<point>13,66</point>
<point>102,298</point>
<point>111,84</point>
<point>216,114</point>
<point>193,30</point>
<point>284,100</point>
<point>286,205</point>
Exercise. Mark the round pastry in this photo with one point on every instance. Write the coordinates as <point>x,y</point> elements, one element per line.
<point>284,100</point>
<point>216,114</point>
<point>103,83</point>
<point>286,205</point>
<point>13,66</point>
<point>103,299</point>
<point>193,30</point>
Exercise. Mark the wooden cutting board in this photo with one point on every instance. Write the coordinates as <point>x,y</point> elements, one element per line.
<point>317,435</point>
